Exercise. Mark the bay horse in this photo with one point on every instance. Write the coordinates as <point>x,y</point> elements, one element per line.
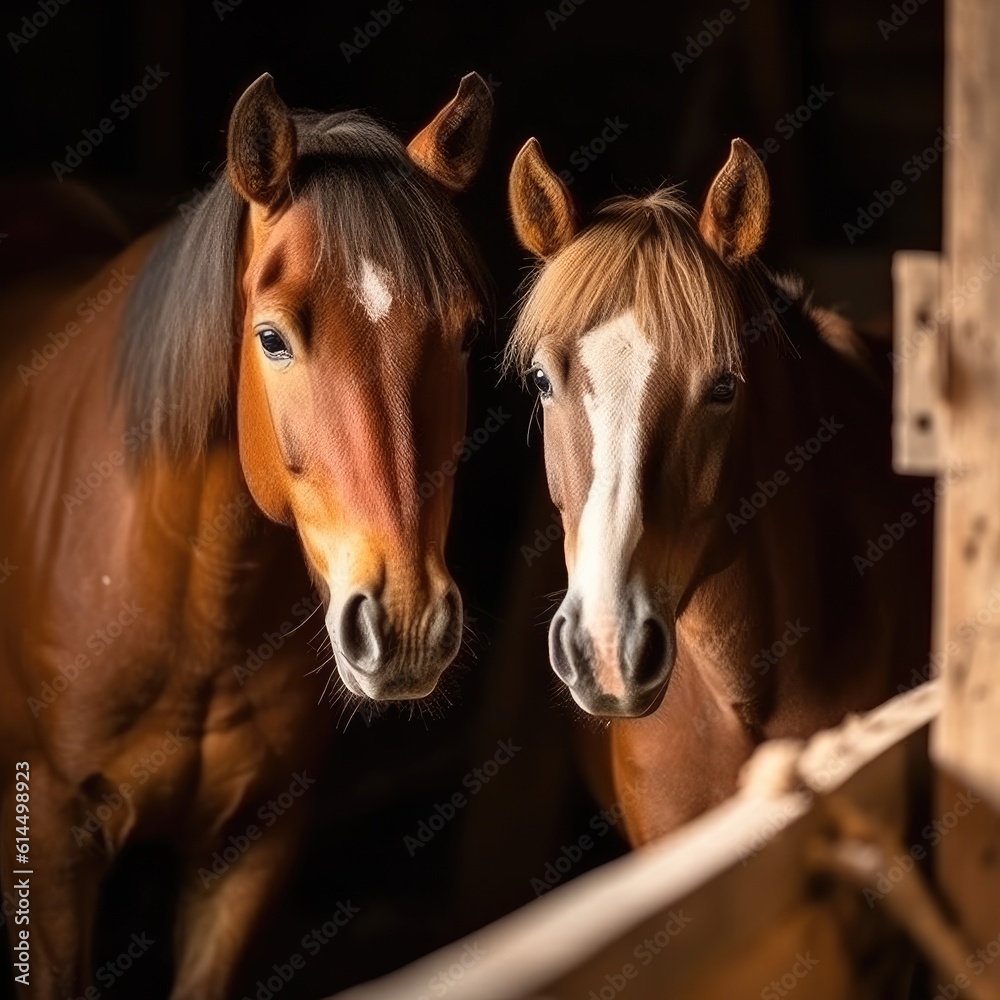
<point>290,354</point>
<point>718,448</point>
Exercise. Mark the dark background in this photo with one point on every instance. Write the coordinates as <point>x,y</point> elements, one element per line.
<point>558,78</point>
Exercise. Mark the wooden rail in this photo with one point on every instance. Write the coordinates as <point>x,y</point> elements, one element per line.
<point>724,907</point>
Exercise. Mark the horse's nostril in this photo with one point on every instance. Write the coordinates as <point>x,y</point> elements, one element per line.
<point>360,633</point>
<point>648,654</point>
<point>453,607</point>
<point>450,624</point>
<point>560,653</point>
<point>454,600</point>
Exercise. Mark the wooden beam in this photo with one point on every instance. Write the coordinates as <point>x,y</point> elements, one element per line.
<point>726,906</point>
<point>966,742</point>
<point>918,319</point>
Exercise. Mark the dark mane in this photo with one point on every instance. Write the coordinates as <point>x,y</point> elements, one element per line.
<point>177,348</point>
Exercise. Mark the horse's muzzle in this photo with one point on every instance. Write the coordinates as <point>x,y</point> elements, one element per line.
<point>625,675</point>
<point>383,660</point>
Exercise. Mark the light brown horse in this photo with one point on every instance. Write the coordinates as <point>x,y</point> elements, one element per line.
<point>301,335</point>
<point>742,562</point>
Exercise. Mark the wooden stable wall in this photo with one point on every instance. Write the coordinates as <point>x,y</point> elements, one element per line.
<point>966,742</point>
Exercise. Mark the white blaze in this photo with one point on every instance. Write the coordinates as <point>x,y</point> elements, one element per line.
<point>374,291</point>
<point>618,360</point>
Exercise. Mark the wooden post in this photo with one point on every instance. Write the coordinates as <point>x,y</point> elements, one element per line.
<point>966,742</point>
<point>917,389</point>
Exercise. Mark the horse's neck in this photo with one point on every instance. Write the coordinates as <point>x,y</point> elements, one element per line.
<point>204,519</point>
<point>813,430</point>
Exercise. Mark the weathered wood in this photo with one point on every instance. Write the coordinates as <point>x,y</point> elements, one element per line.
<point>966,742</point>
<point>917,385</point>
<point>730,894</point>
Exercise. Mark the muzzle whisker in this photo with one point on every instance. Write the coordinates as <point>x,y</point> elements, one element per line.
<point>304,620</point>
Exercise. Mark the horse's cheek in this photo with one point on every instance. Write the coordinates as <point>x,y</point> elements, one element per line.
<point>263,468</point>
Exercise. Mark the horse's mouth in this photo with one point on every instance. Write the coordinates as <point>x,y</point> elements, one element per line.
<point>633,705</point>
<point>386,684</point>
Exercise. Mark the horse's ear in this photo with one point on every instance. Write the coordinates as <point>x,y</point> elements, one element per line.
<point>260,145</point>
<point>452,147</point>
<point>540,204</point>
<point>738,205</point>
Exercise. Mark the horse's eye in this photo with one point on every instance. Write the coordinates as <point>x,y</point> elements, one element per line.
<point>275,346</point>
<point>724,389</point>
<point>541,382</point>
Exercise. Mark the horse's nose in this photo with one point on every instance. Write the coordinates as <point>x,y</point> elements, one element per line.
<point>639,655</point>
<point>362,633</point>
<point>644,654</point>
<point>444,634</point>
<point>397,656</point>
<point>566,650</point>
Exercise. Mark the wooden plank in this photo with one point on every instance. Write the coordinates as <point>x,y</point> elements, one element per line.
<point>966,742</point>
<point>727,900</point>
<point>918,317</point>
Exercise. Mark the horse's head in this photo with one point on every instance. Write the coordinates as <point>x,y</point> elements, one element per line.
<point>359,288</point>
<point>631,334</point>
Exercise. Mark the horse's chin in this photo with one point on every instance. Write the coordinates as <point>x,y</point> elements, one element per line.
<point>380,686</point>
<point>656,702</point>
<point>634,705</point>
